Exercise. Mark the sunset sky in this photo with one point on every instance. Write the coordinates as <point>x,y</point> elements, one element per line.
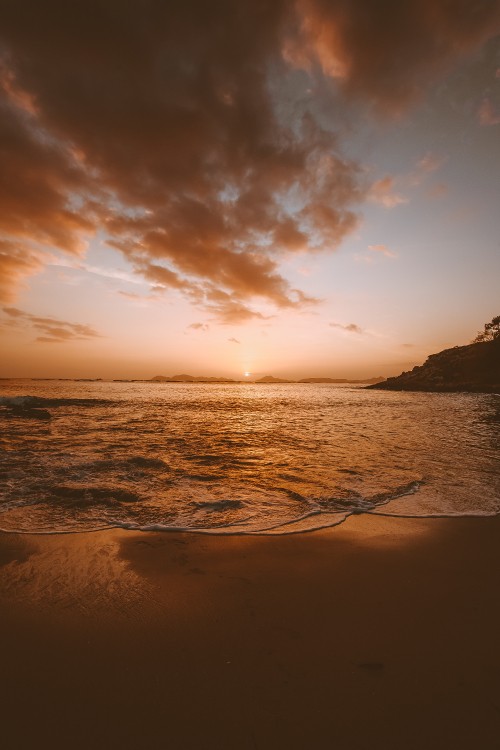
<point>306,188</point>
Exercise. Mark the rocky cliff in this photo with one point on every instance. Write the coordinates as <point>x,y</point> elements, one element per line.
<point>474,368</point>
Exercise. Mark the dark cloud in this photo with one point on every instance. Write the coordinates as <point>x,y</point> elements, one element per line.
<point>167,110</point>
<point>388,52</point>
<point>50,330</point>
<point>350,327</point>
<point>156,124</point>
<point>38,186</point>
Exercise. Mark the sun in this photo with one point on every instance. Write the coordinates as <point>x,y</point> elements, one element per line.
<point>247,374</point>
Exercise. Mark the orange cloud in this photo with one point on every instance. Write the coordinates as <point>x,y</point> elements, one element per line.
<point>16,263</point>
<point>349,328</point>
<point>228,309</point>
<point>383,250</point>
<point>487,114</point>
<point>430,163</point>
<point>39,185</point>
<point>425,166</point>
<point>50,330</point>
<point>382,192</point>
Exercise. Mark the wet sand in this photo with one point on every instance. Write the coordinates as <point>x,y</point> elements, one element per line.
<point>382,633</point>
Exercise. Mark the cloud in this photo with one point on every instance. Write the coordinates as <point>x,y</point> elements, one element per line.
<point>487,114</point>
<point>430,162</point>
<point>424,167</point>
<point>234,341</point>
<point>164,131</point>
<point>199,326</point>
<point>177,152</point>
<point>130,295</point>
<point>40,175</point>
<point>227,309</point>
<point>108,273</point>
<point>374,251</point>
<point>387,53</point>
<point>382,192</point>
<point>50,330</point>
<point>16,263</point>
<point>439,190</point>
<point>382,250</point>
<point>350,327</point>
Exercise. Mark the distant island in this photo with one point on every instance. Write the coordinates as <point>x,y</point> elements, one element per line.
<point>189,379</point>
<point>266,379</point>
<point>367,381</point>
<point>271,379</point>
<point>474,368</point>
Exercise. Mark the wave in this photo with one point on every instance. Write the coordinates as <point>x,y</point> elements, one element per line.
<point>91,496</point>
<point>355,503</point>
<point>26,413</point>
<point>80,507</point>
<point>33,402</point>
<point>296,527</point>
<point>85,507</point>
<point>219,505</point>
<point>142,463</point>
<point>202,477</point>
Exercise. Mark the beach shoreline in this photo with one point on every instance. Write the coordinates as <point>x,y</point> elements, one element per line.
<point>381,632</point>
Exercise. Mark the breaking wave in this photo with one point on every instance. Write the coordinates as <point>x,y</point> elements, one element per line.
<point>35,402</point>
<point>89,507</point>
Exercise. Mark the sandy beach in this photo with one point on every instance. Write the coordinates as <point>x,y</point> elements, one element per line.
<point>381,633</point>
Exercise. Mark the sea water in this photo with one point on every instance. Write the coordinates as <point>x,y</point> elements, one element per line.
<point>240,458</point>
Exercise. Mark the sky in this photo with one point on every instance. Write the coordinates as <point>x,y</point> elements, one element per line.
<point>287,187</point>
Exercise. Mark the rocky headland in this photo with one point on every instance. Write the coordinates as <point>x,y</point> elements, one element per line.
<point>474,368</point>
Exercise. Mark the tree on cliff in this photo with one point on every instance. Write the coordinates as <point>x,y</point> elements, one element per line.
<point>491,331</point>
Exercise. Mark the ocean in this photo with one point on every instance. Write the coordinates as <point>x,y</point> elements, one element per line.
<point>240,458</point>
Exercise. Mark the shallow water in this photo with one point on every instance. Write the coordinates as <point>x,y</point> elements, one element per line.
<point>243,458</point>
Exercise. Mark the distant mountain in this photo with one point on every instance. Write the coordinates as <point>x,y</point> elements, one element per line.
<point>189,379</point>
<point>342,380</point>
<point>474,368</point>
<point>266,379</point>
<point>271,379</point>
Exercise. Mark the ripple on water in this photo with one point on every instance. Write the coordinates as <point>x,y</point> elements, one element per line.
<point>241,459</point>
